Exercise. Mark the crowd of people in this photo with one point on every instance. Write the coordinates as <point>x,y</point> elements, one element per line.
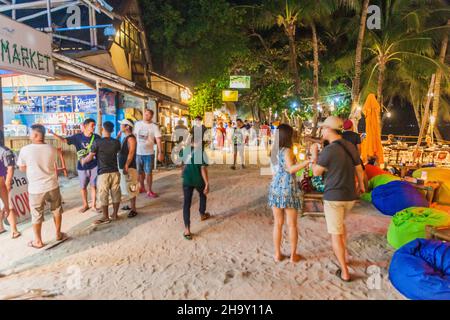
<point>109,168</point>
<point>112,167</point>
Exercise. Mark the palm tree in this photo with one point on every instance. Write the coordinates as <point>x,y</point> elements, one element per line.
<point>284,14</point>
<point>401,40</point>
<point>437,85</point>
<point>356,86</point>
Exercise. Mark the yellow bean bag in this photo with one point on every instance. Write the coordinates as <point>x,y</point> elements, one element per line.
<point>438,174</point>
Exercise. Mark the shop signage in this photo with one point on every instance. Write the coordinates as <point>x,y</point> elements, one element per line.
<point>24,49</point>
<point>53,104</point>
<point>19,196</point>
<point>130,101</point>
<point>240,82</point>
<point>30,104</point>
<point>85,103</point>
<point>108,102</point>
<point>230,95</point>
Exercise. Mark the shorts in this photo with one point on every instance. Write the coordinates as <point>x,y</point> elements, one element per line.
<point>88,177</point>
<point>335,212</point>
<point>144,163</point>
<point>129,184</point>
<point>38,201</point>
<point>108,184</point>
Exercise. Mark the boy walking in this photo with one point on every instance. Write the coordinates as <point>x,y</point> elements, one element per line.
<point>38,160</point>
<point>195,177</point>
<point>108,180</point>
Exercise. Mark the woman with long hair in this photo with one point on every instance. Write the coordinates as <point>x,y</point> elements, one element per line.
<point>284,194</point>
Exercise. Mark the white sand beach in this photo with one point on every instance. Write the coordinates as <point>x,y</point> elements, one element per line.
<point>230,257</point>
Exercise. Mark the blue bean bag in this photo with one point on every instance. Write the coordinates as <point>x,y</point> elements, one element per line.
<point>396,196</point>
<point>420,270</point>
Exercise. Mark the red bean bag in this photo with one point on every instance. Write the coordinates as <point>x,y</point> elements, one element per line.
<point>373,171</point>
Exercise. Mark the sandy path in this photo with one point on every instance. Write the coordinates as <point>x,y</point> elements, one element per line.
<point>230,258</point>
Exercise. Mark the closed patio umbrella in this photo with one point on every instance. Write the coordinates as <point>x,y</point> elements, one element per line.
<point>371,145</point>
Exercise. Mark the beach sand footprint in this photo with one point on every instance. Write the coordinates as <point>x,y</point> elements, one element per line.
<point>229,275</point>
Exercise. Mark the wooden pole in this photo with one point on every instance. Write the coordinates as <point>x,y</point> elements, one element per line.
<point>99,109</point>
<point>426,116</point>
<point>49,14</point>
<point>2,136</point>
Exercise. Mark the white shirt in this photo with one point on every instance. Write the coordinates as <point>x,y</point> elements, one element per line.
<point>146,134</point>
<point>40,160</point>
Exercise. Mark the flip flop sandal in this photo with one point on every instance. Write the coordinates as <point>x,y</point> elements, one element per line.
<point>132,214</point>
<point>83,210</point>
<point>205,216</point>
<point>16,235</point>
<point>102,221</point>
<point>63,236</point>
<point>187,236</point>
<point>126,208</point>
<point>3,231</point>
<point>31,245</point>
<point>339,275</point>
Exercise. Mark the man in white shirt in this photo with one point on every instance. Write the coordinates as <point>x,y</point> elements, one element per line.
<point>38,160</point>
<point>146,133</point>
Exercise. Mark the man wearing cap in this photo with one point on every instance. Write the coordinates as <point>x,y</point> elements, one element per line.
<point>350,135</point>
<point>339,161</point>
<point>129,181</point>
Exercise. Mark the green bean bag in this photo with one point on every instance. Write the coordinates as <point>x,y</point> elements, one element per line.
<point>381,180</point>
<point>367,197</point>
<point>409,224</point>
<point>438,174</point>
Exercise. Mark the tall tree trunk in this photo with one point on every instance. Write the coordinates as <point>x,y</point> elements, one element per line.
<point>437,85</point>
<point>381,71</point>
<point>358,57</point>
<point>426,112</point>
<point>315,43</point>
<point>290,32</point>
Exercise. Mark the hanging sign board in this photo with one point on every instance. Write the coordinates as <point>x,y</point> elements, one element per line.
<point>24,49</point>
<point>230,96</point>
<point>240,82</point>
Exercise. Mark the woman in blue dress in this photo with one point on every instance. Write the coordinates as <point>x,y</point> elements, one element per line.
<point>284,193</point>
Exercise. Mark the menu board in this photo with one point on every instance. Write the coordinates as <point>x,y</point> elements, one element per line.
<point>108,102</point>
<point>53,104</point>
<point>85,103</point>
<point>29,104</point>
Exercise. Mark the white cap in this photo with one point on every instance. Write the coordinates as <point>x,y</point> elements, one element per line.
<point>333,122</point>
<point>127,122</point>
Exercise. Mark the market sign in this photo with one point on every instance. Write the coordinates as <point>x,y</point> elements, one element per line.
<point>230,96</point>
<point>240,82</point>
<point>24,49</point>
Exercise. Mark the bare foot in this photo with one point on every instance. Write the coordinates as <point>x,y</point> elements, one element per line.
<point>295,258</point>
<point>278,257</point>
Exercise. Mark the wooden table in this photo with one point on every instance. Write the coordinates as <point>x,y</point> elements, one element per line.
<point>437,233</point>
<point>429,188</point>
